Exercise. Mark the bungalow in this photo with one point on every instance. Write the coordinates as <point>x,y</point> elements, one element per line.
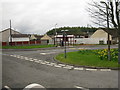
<point>47,38</point>
<point>100,36</point>
<point>20,37</point>
<point>34,37</point>
<point>5,34</point>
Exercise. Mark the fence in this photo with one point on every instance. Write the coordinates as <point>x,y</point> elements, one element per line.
<point>23,43</point>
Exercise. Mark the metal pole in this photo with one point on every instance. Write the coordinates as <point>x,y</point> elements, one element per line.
<point>65,44</point>
<point>10,34</point>
<point>55,35</point>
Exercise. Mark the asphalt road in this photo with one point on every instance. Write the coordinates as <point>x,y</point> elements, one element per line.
<point>21,68</point>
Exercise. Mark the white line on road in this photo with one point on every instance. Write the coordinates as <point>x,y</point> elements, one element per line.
<point>105,69</point>
<point>68,67</point>
<point>35,59</point>
<point>43,53</point>
<point>62,65</point>
<point>91,69</point>
<point>82,88</point>
<point>57,66</point>
<point>78,68</point>
<point>42,63</point>
<point>49,64</point>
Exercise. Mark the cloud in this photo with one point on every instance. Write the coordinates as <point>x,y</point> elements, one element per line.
<point>39,16</point>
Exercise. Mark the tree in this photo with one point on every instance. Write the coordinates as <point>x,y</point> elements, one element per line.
<point>99,14</point>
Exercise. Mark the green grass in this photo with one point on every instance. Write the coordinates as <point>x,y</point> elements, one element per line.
<point>86,58</point>
<point>27,47</point>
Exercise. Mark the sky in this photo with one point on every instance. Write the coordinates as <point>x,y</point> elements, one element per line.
<point>40,16</point>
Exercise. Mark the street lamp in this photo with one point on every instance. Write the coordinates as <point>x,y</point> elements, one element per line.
<point>107,7</point>
<point>10,34</point>
<point>64,37</point>
<point>55,34</point>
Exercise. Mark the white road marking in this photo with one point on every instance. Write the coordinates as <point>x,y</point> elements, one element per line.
<point>43,53</point>
<point>66,67</point>
<point>57,66</point>
<point>42,63</point>
<point>78,68</point>
<point>53,63</point>
<point>91,69</point>
<point>35,59</point>
<point>39,60</point>
<point>69,66</point>
<point>8,88</point>
<point>105,69</point>
<point>46,62</point>
<point>49,64</point>
<point>11,55</point>
<point>18,57</point>
<point>61,65</point>
<point>47,53</point>
<point>82,88</point>
<point>31,60</point>
<point>14,56</point>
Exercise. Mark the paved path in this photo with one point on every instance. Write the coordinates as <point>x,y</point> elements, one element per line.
<point>21,68</point>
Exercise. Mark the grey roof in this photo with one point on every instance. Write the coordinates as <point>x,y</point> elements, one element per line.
<point>8,29</point>
<point>20,35</point>
<point>112,32</point>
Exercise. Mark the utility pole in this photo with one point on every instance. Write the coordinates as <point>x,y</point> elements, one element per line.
<point>10,34</point>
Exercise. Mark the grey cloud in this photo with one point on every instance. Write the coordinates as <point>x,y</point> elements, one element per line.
<point>41,15</point>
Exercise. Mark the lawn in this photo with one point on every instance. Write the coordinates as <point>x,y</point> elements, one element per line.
<point>27,47</point>
<point>86,58</point>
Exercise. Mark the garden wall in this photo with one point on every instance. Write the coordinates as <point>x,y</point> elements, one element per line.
<point>42,42</point>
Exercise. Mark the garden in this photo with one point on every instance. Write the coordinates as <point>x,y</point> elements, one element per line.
<point>92,58</point>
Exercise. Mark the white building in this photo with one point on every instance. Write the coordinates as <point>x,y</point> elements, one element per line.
<point>20,37</point>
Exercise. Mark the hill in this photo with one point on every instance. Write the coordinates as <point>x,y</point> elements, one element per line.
<point>73,30</point>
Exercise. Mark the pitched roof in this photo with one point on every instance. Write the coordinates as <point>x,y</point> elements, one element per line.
<point>38,36</point>
<point>19,35</point>
<point>112,32</point>
<point>46,37</point>
<point>9,29</point>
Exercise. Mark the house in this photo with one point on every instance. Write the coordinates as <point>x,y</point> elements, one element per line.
<point>5,34</point>
<point>100,36</point>
<point>20,37</point>
<point>35,37</point>
<point>47,38</point>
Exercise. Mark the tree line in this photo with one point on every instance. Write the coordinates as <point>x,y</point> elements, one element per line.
<point>73,30</point>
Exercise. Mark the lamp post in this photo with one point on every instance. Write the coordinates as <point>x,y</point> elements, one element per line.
<point>109,57</point>
<point>64,37</point>
<point>55,34</point>
<point>10,34</point>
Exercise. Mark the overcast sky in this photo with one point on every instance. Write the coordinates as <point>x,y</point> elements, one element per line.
<point>39,16</point>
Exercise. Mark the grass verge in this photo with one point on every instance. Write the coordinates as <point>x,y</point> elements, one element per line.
<point>27,47</point>
<point>86,59</point>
